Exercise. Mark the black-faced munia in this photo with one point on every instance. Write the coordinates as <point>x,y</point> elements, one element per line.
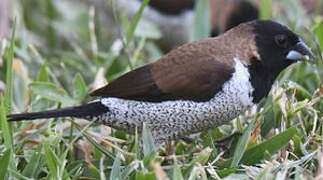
<point>195,87</point>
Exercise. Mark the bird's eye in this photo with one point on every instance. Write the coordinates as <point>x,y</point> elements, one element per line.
<point>281,41</point>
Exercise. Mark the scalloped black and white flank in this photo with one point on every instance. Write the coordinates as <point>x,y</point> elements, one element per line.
<point>172,119</point>
<point>194,87</point>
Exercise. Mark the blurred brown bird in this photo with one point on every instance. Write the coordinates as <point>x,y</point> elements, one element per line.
<point>175,17</point>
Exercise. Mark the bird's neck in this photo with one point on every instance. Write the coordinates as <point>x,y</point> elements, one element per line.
<point>262,79</point>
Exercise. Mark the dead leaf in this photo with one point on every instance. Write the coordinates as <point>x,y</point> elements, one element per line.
<point>159,172</point>
<point>256,132</point>
<point>20,69</point>
<point>321,90</point>
<point>87,150</point>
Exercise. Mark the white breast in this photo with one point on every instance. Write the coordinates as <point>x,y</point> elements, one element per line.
<point>240,82</point>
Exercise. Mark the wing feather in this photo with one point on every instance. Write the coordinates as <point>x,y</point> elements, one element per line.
<point>187,73</point>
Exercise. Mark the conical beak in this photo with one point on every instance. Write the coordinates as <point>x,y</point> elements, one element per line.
<point>300,51</point>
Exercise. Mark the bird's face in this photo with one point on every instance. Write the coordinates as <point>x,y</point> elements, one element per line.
<point>279,47</point>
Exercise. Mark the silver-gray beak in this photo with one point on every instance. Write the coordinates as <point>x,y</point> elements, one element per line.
<point>300,51</point>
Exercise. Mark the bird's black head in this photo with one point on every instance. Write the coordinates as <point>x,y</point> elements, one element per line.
<point>277,48</point>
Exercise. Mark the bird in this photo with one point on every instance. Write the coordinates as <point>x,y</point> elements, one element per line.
<point>224,14</point>
<point>194,87</point>
<point>175,18</point>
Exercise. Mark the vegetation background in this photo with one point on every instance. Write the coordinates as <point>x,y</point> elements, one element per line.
<point>60,50</point>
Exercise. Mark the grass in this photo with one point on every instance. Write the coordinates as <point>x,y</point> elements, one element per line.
<point>53,60</point>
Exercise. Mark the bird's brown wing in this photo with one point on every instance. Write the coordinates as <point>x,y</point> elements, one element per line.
<point>134,85</point>
<point>196,76</point>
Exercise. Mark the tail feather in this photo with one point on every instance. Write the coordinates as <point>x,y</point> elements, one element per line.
<point>92,109</point>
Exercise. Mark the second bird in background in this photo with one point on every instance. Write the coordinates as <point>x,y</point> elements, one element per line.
<point>175,18</point>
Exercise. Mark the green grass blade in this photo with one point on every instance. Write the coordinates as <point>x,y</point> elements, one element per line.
<point>140,175</point>
<point>52,161</point>
<point>318,29</point>
<point>79,87</point>
<point>9,59</point>
<point>43,75</point>
<point>5,160</point>
<point>201,25</point>
<point>135,20</point>
<point>132,167</point>
<point>148,141</point>
<point>265,9</point>
<point>116,169</point>
<point>34,166</point>
<point>52,92</point>
<point>199,158</point>
<point>269,147</point>
<point>17,175</point>
<point>5,103</point>
<point>177,173</point>
<point>242,145</point>
<point>94,143</point>
<point>7,136</point>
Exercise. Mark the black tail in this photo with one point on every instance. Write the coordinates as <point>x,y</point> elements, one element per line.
<point>91,109</point>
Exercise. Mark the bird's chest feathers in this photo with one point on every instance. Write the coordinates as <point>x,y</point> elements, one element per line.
<point>239,86</point>
<point>234,98</point>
